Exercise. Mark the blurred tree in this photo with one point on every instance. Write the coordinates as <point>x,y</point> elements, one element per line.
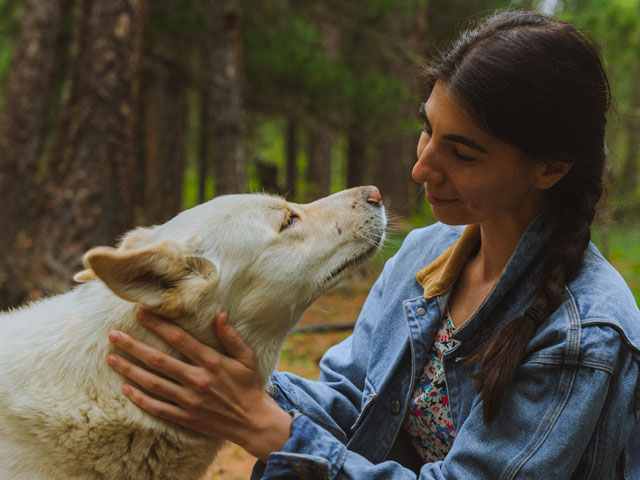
<point>226,101</point>
<point>321,132</point>
<point>291,157</point>
<point>23,122</point>
<point>173,27</point>
<point>330,83</point>
<point>323,65</point>
<point>87,199</point>
<point>397,148</point>
<point>165,149</point>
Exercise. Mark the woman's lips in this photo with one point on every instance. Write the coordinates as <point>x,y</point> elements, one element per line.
<point>433,200</point>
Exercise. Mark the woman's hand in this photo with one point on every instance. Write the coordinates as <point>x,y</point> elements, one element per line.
<point>217,395</point>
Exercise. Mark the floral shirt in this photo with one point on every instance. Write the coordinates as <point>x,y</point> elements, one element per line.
<point>428,420</point>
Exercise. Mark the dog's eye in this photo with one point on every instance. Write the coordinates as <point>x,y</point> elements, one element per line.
<point>289,220</point>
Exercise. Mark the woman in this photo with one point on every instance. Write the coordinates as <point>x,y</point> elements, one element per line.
<point>538,336</point>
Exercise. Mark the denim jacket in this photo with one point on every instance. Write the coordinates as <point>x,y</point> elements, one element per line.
<point>572,411</point>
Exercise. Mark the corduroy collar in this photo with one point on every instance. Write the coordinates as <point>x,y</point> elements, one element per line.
<point>439,276</point>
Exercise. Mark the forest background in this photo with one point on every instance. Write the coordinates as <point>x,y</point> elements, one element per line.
<point>124,112</point>
<point>115,113</point>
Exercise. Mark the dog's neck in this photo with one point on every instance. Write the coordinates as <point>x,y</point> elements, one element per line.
<point>263,333</point>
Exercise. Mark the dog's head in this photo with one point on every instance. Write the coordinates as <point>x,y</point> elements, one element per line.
<point>259,257</point>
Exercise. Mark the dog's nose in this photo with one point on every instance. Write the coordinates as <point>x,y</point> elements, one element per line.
<point>373,195</point>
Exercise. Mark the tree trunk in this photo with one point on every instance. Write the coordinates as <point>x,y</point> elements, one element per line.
<point>204,155</point>
<point>393,174</point>
<point>630,169</point>
<point>321,134</point>
<point>356,157</point>
<point>319,163</point>
<point>396,152</point>
<point>22,136</point>
<point>89,197</point>
<point>227,105</point>
<point>291,158</point>
<point>166,148</point>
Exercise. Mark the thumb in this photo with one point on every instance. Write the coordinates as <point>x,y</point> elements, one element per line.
<point>232,342</point>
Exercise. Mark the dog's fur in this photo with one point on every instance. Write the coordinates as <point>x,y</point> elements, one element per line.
<point>62,415</point>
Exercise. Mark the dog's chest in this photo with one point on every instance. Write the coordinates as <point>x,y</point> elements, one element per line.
<point>89,443</point>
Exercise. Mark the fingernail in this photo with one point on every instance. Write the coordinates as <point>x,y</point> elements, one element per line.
<point>126,389</point>
<point>142,315</point>
<point>115,337</point>
<point>113,360</point>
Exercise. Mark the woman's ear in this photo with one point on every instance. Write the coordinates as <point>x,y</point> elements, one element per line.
<point>550,171</point>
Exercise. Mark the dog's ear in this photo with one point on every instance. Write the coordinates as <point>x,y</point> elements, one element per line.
<point>159,277</point>
<point>136,238</point>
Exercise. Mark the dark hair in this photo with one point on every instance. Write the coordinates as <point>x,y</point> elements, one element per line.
<point>538,84</point>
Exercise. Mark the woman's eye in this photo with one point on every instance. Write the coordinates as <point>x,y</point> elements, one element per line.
<point>289,220</point>
<point>462,157</point>
<point>426,130</point>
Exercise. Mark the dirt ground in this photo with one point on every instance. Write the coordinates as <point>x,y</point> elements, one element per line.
<point>301,355</point>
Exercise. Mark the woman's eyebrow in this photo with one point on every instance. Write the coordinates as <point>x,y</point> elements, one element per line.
<point>453,137</point>
<point>469,142</point>
<point>423,113</point>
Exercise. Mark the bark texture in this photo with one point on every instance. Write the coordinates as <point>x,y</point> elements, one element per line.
<point>23,123</point>
<point>89,198</point>
<point>226,97</point>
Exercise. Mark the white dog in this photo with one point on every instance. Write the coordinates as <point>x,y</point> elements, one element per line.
<point>258,257</point>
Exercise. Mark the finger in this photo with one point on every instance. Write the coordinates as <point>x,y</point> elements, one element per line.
<point>232,342</point>
<point>175,336</point>
<point>152,357</point>
<point>149,381</point>
<point>156,407</point>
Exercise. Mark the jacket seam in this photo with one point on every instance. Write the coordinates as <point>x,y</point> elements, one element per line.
<point>605,321</point>
<point>565,387</point>
<point>595,452</point>
<point>556,360</point>
<point>338,464</point>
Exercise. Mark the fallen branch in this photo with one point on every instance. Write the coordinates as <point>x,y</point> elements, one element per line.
<point>325,327</point>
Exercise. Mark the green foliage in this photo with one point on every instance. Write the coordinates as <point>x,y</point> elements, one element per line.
<point>615,24</point>
<point>288,72</point>
<point>622,245</point>
<point>10,12</point>
<point>285,68</point>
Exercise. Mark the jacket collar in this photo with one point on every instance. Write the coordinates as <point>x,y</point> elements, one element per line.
<point>438,277</point>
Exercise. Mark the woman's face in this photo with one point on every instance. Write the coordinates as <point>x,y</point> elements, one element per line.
<point>469,175</point>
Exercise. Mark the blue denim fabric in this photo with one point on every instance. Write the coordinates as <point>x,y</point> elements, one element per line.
<point>572,412</point>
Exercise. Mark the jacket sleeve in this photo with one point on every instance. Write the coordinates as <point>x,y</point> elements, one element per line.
<point>542,431</point>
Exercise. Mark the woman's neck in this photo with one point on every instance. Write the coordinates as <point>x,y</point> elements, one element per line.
<point>498,241</point>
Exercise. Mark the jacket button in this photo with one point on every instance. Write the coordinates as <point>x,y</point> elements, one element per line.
<point>395,406</point>
<point>421,311</point>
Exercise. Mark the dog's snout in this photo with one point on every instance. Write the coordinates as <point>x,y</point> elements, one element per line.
<point>373,195</point>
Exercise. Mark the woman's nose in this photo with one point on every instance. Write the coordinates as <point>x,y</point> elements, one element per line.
<point>426,169</point>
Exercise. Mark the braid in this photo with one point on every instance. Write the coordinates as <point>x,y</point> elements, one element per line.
<point>572,216</point>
